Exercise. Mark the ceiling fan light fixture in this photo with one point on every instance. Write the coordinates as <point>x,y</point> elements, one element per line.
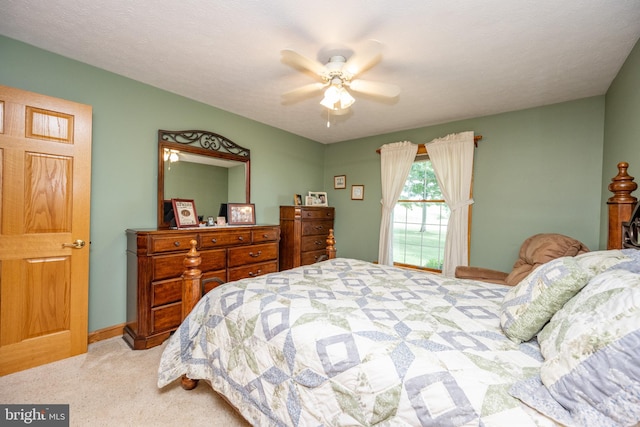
<point>337,97</point>
<point>346,100</point>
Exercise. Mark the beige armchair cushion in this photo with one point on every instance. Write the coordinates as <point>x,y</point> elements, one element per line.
<point>542,248</point>
<point>535,251</point>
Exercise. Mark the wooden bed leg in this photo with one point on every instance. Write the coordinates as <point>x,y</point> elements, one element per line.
<point>331,245</point>
<point>621,204</point>
<point>188,383</point>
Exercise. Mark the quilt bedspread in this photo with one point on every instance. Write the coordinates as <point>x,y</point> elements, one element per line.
<point>347,342</point>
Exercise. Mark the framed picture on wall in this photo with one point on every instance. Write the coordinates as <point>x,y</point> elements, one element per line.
<point>185,213</point>
<point>339,182</point>
<point>357,192</point>
<point>241,214</point>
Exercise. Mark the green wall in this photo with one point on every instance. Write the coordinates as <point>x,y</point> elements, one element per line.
<point>126,118</point>
<point>622,128</point>
<point>535,170</point>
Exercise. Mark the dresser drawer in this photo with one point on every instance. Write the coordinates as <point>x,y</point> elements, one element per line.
<point>212,260</point>
<point>226,238</point>
<point>317,214</point>
<point>169,266</point>
<point>166,317</point>
<point>171,243</point>
<point>311,257</point>
<point>168,291</point>
<point>313,243</point>
<point>253,270</point>
<point>266,235</point>
<point>252,254</point>
<point>311,228</point>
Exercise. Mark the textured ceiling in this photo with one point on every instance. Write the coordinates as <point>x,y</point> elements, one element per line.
<point>451,59</point>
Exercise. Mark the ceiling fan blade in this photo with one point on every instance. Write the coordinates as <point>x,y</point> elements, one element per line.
<point>365,58</point>
<point>304,90</point>
<point>375,88</point>
<point>294,58</point>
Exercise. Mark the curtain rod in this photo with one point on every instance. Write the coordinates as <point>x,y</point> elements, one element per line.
<point>423,150</point>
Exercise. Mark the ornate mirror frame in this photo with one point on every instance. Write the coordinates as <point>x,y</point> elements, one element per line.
<point>203,143</point>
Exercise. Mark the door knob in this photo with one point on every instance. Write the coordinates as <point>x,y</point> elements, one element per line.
<point>78,244</point>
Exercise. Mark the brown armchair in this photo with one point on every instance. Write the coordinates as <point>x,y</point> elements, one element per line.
<point>535,251</point>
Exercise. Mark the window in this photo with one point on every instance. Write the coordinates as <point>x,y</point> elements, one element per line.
<point>420,220</point>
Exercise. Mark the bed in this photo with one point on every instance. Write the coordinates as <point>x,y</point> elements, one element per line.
<point>350,343</point>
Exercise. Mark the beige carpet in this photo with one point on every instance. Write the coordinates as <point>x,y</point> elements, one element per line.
<point>112,385</point>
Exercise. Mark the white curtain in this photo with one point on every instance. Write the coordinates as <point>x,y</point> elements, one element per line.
<point>452,160</point>
<point>395,164</point>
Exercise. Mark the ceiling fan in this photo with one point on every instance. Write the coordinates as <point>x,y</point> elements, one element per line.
<point>337,77</point>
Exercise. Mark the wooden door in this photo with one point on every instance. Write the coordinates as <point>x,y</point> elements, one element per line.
<point>45,177</point>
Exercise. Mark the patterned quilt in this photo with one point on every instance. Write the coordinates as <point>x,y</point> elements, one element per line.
<point>351,343</point>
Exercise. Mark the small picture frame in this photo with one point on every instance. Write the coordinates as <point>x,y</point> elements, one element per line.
<point>297,199</point>
<point>308,201</point>
<point>357,192</point>
<point>185,213</point>
<point>339,182</point>
<point>319,198</point>
<point>241,214</point>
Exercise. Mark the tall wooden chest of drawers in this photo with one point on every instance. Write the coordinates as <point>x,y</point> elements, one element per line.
<point>155,266</point>
<point>304,233</point>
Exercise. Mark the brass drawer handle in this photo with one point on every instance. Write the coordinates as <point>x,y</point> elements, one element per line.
<point>251,254</point>
<point>252,274</point>
<point>214,240</point>
<point>319,227</point>
<point>176,244</point>
<point>266,236</point>
<point>240,238</point>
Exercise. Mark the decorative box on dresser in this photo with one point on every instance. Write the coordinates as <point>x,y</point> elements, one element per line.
<point>155,263</point>
<point>304,234</point>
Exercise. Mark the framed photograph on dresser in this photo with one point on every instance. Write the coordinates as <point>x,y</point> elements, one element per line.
<point>319,198</point>
<point>241,214</point>
<point>185,213</point>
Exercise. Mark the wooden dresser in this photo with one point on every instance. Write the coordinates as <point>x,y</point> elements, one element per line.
<point>155,266</point>
<point>304,234</point>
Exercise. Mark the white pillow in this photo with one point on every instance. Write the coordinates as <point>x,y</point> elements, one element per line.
<point>591,347</point>
<point>530,304</point>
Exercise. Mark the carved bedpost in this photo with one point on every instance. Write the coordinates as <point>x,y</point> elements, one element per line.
<point>331,245</point>
<point>191,294</point>
<point>191,280</point>
<point>621,204</point>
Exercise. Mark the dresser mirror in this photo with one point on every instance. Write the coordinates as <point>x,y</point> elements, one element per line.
<point>201,166</point>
